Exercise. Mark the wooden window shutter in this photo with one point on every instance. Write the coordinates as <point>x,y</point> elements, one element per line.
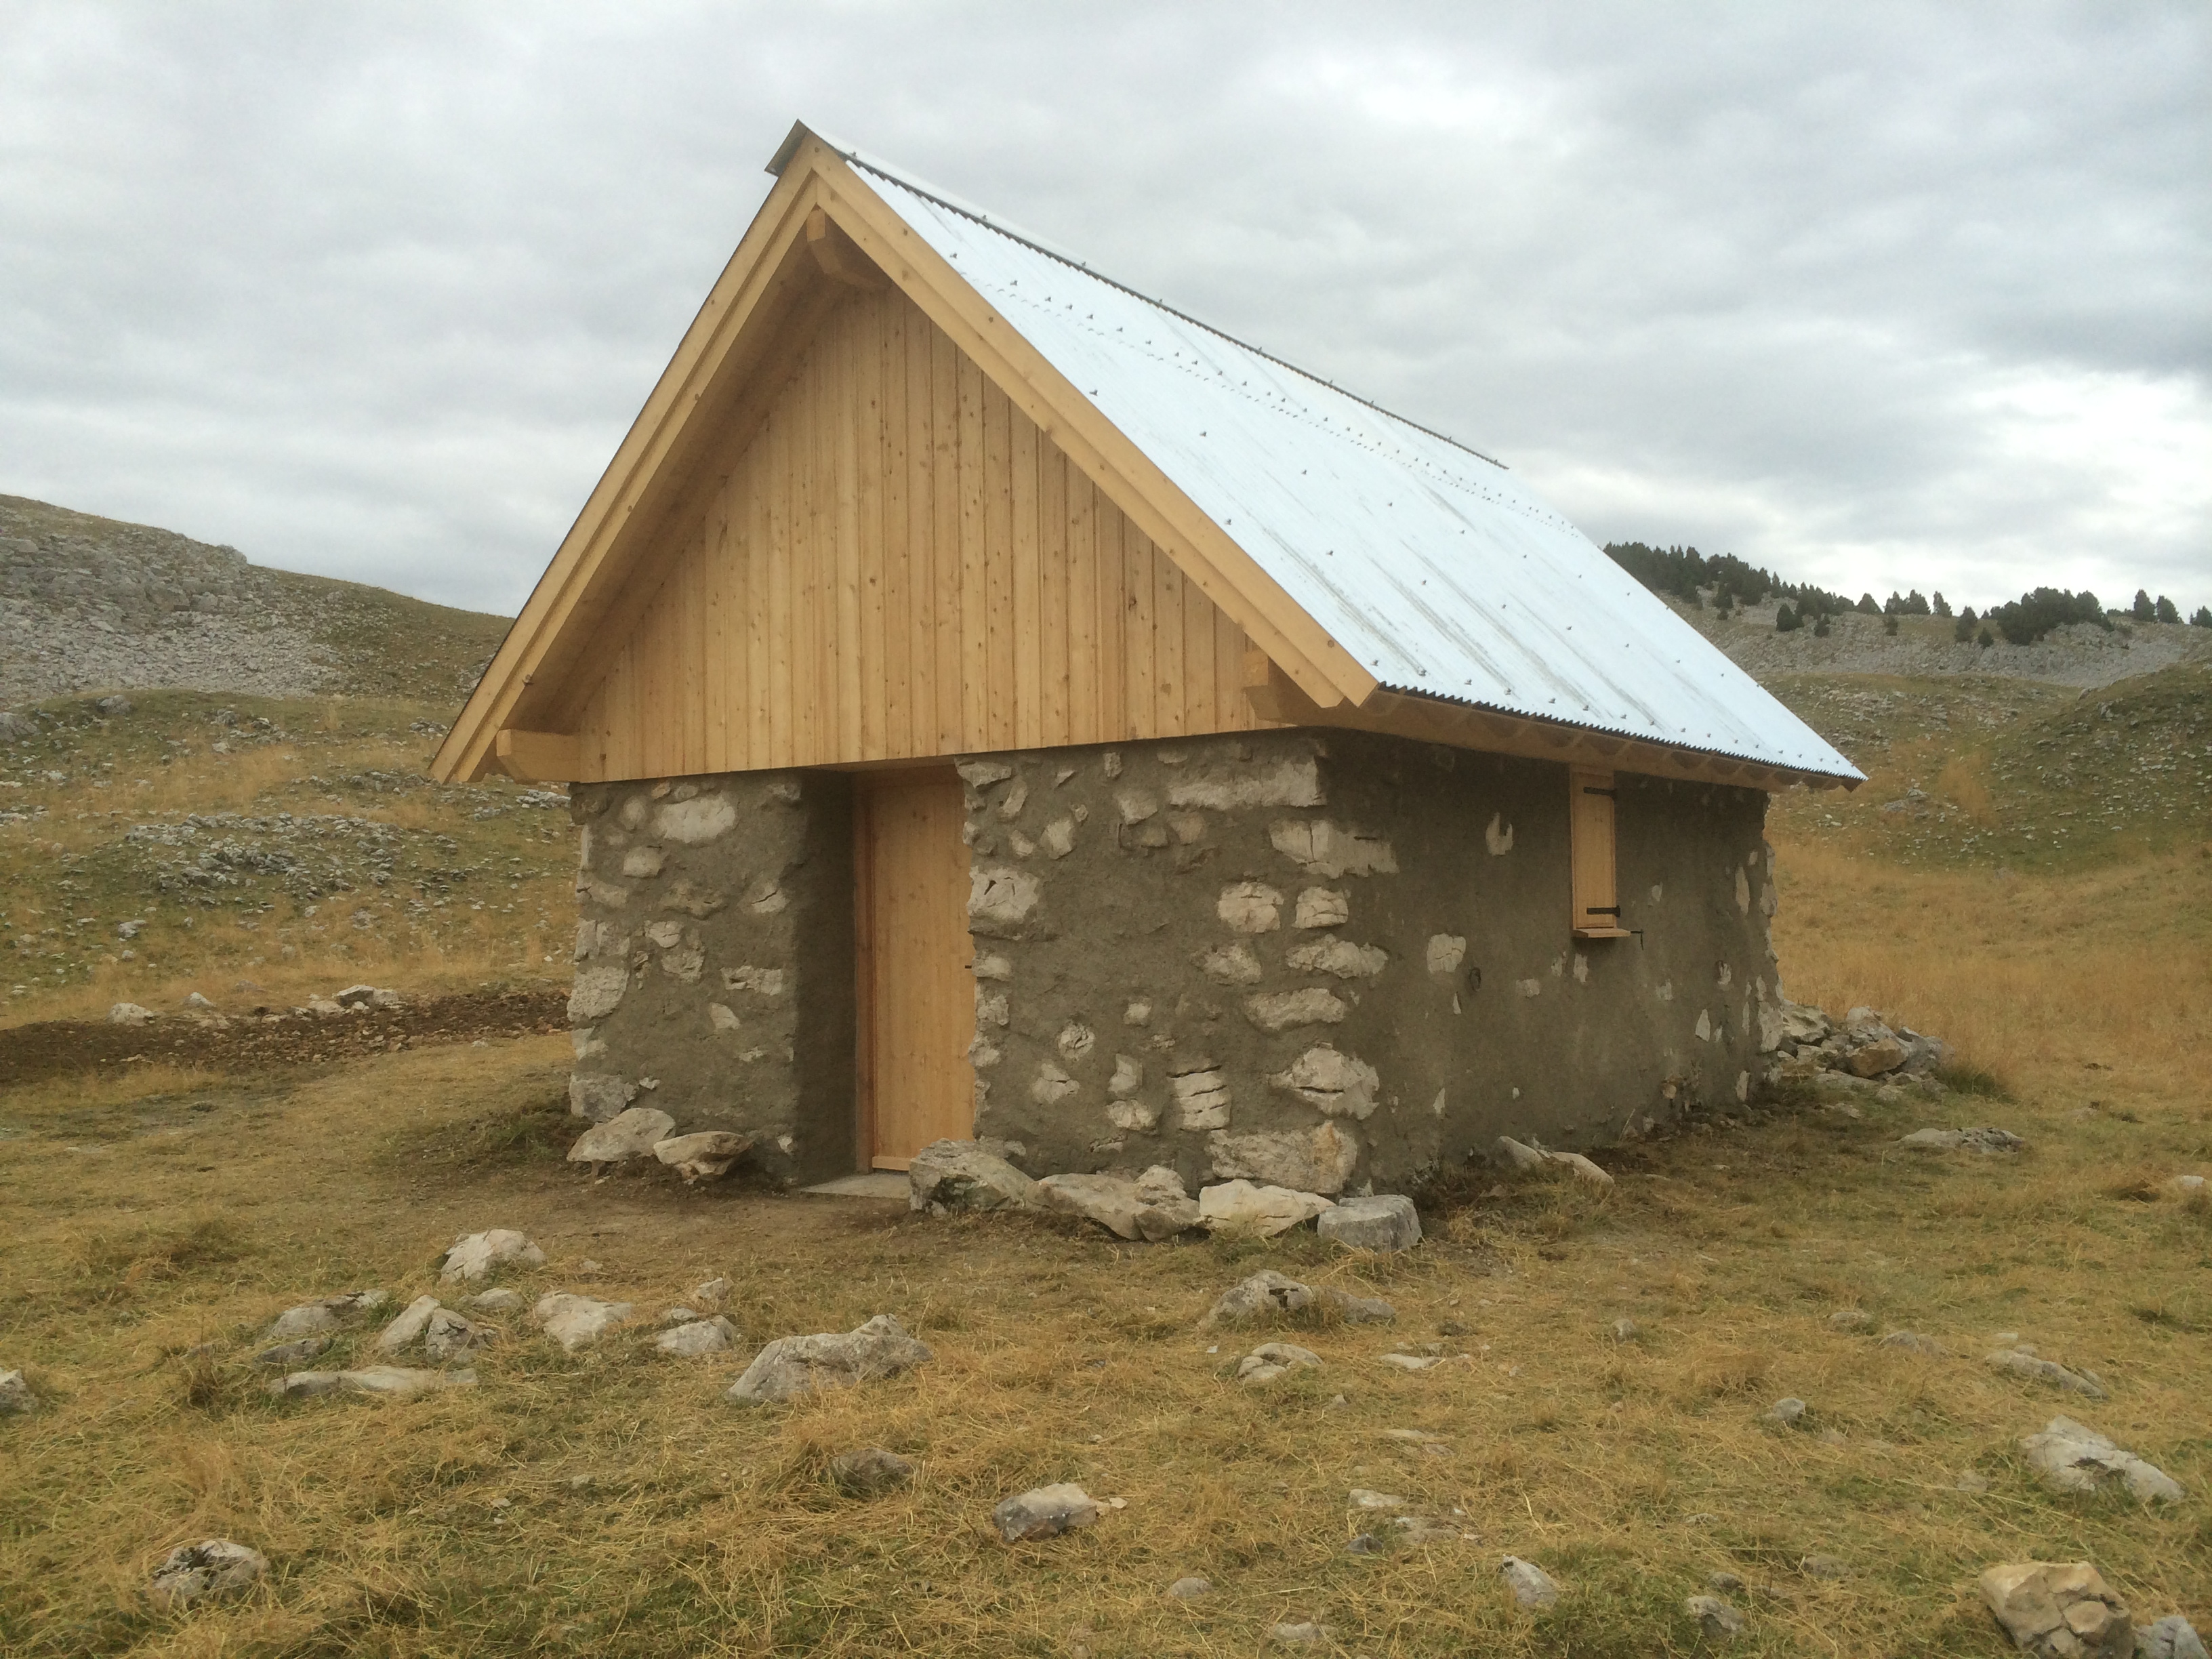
<point>1590,825</point>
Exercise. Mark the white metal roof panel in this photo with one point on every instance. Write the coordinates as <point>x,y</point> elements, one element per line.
<point>1441,572</point>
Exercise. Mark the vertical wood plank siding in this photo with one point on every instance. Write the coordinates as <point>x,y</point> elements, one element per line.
<point>900,565</point>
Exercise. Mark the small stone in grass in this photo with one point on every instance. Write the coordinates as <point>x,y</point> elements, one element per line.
<point>212,1567</point>
<point>503,1300</point>
<point>288,1354</point>
<point>869,1471</point>
<point>1190,1590</point>
<point>2023,1362</point>
<point>1624,1330</point>
<point>696,1337</point>
<point>1850,1319</point>
<point>475,1254</point>
<point>1265,1292</point>
<point>1533,1588</point>
<point>1715,1616</point>
<point>1724,1584</point>
<point>2074,1457</point>
<point>1272,1359</point>
<point>1824,1566</point>
<point>1912,1342</point>
<point>1304,1634</point>
<point>711,1295</point>
<point>577,1322</point>
<point>2058,1610</point>
<point>1789,1412</point>
<point>16,1394</point>
<point>1043,1512</point>
<point>1972,1481</point>
<point>413,1319</point>
<point>2171,1638</point>
<point>450,1334</point>
<point>1361,1498</point>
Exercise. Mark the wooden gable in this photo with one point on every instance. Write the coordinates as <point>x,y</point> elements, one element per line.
<point>894,564</point>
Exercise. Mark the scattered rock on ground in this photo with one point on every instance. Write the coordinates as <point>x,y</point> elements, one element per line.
<point>2076,1458</point>
<point>1240,1206</point>
<point>1362,1498</point>
<point>962,1175</point>
<point>328,1313</point>
<point>870,1472</point>
<point>1109,1200</point>
<point>1043,1512</point>
<point>793,1366</point>
<point>1625,1330</point>
<point>1166,1208</point>
<point>1357,1310</point>
<point>711,1295</point>
<point>2024,1362</point>
<point>698,1336</point>
<point>1303,1634</point>
<point>393,1382</point>
<point>1419,1362</point>
<point>1715,1616</point>
<point>2171,1638</point>
<point>1537,1159</point>
<point>1272,1359</point>
<point>1789,1412</point>
<point>1983,1139</point>
<point>450,1335</point>
<point>479,1253</point>
<point>129,1013</point>
<point>1190,1590</point>
<point>499,1301</point>
<point>16,1394</point>
<point>288,1354</point>
<point>1850,1319</point>
<point>1265,1292</point>
<point>2186,1186</point>
<point>2058,1610</point>
<point>413,1319</point>
<point>577,1322</point>
<point>703,1155</point>
<point>1386,1221</point>
<point>1912,1342</point>
<point>1824,1566</point>
<point>631,1133</point>
<point>213,1567</point>
<point>1533,1587</point>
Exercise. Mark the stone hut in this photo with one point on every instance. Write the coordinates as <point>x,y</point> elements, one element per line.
<point>996,704</point>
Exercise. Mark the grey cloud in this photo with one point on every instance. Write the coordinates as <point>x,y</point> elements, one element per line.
<point>376,289</point>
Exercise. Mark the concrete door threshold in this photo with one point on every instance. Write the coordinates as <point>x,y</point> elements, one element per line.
<point>875,1183</point>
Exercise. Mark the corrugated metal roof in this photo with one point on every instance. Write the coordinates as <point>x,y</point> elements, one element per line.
<point>1441,572</point>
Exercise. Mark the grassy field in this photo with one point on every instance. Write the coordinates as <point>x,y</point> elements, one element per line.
<point>271,850</point>
<point>610,1503</point>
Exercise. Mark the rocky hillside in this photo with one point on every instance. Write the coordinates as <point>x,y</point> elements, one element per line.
<point>89,604</point>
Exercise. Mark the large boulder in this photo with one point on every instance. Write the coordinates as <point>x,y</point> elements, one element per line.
<point>213,1568</point>
<point>2058,1610</point>
<point>1240,1206</point>
<point>477,1254</point>
<point>1386,1221</point>
<point>2075,1458</point>
<point>793,1365</point>
<point>628,1134</point>
<point>963,1175</point>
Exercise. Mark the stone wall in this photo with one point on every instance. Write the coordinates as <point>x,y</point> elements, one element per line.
<point>1320,960</point>
<point>1324,959</point>
<point>704,904</point>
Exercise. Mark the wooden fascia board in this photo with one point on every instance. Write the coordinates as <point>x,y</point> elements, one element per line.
<point>746,280</point>
<point>1222,569</point>
<point>1398,714</point>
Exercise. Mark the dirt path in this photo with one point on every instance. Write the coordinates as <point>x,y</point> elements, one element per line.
<point>29,1053</point>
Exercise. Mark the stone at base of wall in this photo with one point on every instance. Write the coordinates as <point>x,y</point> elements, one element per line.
<point>1386,1221</point>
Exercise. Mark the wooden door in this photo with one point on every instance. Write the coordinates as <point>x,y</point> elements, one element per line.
<point>917,986</point>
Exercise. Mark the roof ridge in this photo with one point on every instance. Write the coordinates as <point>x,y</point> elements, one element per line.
<point>999,227</point>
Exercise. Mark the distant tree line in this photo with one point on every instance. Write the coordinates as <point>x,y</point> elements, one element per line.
<point>1684,573</point>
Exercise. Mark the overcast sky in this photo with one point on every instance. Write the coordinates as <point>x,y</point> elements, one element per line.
<point>1879,296</point>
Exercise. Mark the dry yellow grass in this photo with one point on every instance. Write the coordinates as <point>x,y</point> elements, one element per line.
<point>609,1503</point>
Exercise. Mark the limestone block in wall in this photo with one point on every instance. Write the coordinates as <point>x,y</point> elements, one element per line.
<point>1201,1094</point>
<point>1284,1011</point>
<point>696,822</point>
<point>1323,848</point>
<point>1322,907</point>
<point>1341,1085</point>
<point>1250,906</point>
<point>1340,956</point>
<point>641,863</point>
<point>598,1095</point>
<point>1000,899</point>
<point>1316,1160</point>
<point>1231,964</point>
<point>1051,1086</point>
<point>598,991</point>
<point>1498,837</point>
<point>1445,953</point>
<point>1292,782</point>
